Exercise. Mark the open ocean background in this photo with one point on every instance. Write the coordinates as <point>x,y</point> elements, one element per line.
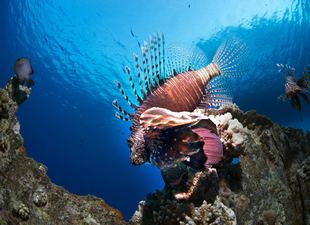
<point>78,48</point>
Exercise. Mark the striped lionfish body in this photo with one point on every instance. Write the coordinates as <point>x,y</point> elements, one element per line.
<point>295,88</point>
<point>184,83</point>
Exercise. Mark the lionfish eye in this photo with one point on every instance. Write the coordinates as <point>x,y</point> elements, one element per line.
<point>129,143</point>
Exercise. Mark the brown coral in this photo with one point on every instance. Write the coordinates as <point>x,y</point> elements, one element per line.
<point>175,213</point>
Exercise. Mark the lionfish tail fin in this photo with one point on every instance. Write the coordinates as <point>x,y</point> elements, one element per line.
<point>219,92</point>
<point>233,58</point>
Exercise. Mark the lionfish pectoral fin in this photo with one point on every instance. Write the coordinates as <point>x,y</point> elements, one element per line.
<point>304,97</point>
<point>304,80</point>
<point>163,118</point>
<point>296,102</point>
<point>212,147</point>
<point>219,92</point>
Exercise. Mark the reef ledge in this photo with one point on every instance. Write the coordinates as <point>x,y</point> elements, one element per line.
<point>269,185</point>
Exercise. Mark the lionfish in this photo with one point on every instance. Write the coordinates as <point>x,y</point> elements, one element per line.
<point>293,87</point>
<point>164,130</point>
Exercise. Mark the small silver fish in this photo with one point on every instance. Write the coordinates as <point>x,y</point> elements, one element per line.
<point>22,70</point>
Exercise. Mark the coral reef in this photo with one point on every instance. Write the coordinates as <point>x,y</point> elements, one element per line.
<point>269,185</point>
<point>173,213</point>
<point>271,168</point>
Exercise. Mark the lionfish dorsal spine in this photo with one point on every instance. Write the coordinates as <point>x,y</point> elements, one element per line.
<point>139,75</point>
<point>161,72</point>
<point>146,74</point>
<point>157,59</point>
<point>129,116</point>
<point>286,70</point>
<point>282,97</point>
<point>133,85</point>
<point>153,76</point>
<point>147,67</point>
<point>118,84</point>
<point>164,60</point>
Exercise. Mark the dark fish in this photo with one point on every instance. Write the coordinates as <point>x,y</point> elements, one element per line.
<point>132,32</point>
<point>295,88</point>
<point>23,69</point>
<point>181,82</point>
<point>189,5</point>
<point>123,70</point>
<point>61,47</point>
<point>139,44</point>
<point>45,39</point>
<point>301,119</point>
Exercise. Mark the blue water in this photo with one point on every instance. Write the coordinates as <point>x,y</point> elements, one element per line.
<point>78,48</point>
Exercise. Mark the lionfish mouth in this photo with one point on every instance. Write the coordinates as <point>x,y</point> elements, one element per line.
<point>172,84</point>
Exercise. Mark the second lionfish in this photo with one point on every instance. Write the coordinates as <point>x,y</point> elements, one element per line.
<point>173,83</point>
<point>295,88</point>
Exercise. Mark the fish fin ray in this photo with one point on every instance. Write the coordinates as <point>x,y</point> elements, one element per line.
<point>133,86</point>
<point>304,80</point>
<point>233,58</point>
<point>118,84</point>
<point>136,59</point>
<point>121,117</point>
<point>219,92</point>
<point>286,70</point>
<point>304,97</point>
<point>282,97</point>
<point>121,110</point>
<point>181,58</point>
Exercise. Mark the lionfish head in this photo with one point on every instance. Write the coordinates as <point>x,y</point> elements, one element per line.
<point>291,86</point>
<point>138,152</point>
